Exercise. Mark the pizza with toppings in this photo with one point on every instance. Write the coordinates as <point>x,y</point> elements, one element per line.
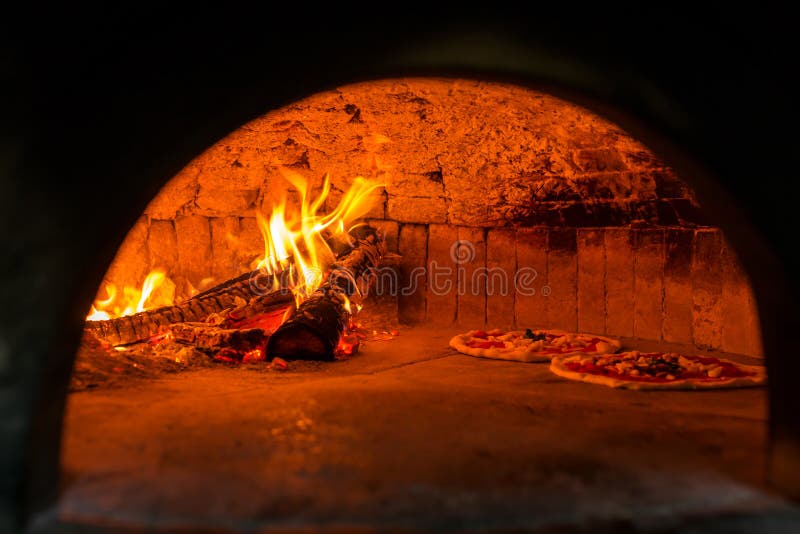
<point>530,345</point>
<point>657,370</point>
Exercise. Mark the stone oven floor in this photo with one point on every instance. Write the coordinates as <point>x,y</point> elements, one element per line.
<point>411,435</point>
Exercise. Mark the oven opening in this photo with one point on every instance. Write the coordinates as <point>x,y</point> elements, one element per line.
<point>419,303</point>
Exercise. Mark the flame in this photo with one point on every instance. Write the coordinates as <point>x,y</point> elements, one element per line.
<point>295,248</point>
<point>294,243</point>
<point>131,300</point>
<point>348,346</point>
<point>204,284</point>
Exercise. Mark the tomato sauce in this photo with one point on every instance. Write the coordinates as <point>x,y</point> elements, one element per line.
<point>728,371</point>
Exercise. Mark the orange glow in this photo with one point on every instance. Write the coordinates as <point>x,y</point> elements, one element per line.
<point>131,300</point>
<point>294,242</point>
<point>348,346</point>
<point>279,364</point>
<point>255,355</point>
<point>205,283</point>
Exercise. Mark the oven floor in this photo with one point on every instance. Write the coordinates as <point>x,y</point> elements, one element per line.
<point>411,435</point>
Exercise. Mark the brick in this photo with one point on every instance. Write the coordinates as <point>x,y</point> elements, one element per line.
<point>640,158</point>
<point>501,265</point>
<point>530,305</point>
<point>591,281</point>
<point>193,234</point>
<point>222,200</point>
<point>379,199</point>
<point>562,279</point>
<point>416,210</point>
<point>643,184</point>
<point>605,186</point>
<point>224,264</point>
<point>740,331</point>
<point>412,246</point>
<point>441,299</point>
<point>177,195</point>
<point>707,289</point>
<point>669,186</point>
<point>131,264</point>
<point>619,282</point>
<point>471,270</point>
<point>599,159</point>
<point>234,165</point>
<point>407,184</point>
<point>648,283</point>
<point>677,320</point>
<point>542,214</point>
<point>390,231</point>
<point>162,243</point>
<point>250,243</point>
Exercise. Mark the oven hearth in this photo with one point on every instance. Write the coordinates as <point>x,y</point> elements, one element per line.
<point>411,435</point>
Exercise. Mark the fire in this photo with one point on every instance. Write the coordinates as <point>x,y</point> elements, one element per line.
<point>295,248</point>
<point>204,284</point>
<point>295,243</point>
<point>131,300</point>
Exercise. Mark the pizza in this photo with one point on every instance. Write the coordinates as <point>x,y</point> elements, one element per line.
<point>657,370</point>
<point>530,345</point>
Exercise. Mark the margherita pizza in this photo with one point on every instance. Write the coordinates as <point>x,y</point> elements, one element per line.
<point>657,370</point>
<point>530,345</point>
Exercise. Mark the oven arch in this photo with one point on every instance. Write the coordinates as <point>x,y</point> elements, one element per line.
<point>36,482</point>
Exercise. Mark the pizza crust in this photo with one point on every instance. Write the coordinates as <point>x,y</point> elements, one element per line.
<point>758,378</point>
<point>460,341</point>
<point>529,354</point>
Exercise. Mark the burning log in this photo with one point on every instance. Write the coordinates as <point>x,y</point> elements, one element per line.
<point>244,297</point>
<point>242,335</point>
<point>208,337</point>
<point>240,294</point>
<point>313,330</point>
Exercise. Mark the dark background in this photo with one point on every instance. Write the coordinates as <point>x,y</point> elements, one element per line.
<point>100,108</point>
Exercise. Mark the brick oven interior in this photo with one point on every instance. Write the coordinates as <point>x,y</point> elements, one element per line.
<point>407,433</point>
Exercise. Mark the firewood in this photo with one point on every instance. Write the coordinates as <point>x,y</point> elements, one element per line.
<point>204,336</point>
<point>244,296</point>
<point>237,293</point>
<point>313,330</point>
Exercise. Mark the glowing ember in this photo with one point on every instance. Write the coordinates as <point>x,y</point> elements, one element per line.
<point>266,321</point>
<point>133,300</point>
<point>255,355</point>
<point>228,355</point>
<point>348,345</point>
<point>295,243</point>
<point>279,364</point>
<point>166,336</point>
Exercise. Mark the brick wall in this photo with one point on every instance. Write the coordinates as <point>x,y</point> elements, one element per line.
<point>677,285</point>
<point>537,186</point>
<point>448,151</point>
<point>673,284</point>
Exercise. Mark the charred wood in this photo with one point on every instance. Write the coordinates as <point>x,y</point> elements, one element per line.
<point>313,330</point>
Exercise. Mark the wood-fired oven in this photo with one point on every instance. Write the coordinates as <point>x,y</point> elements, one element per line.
<point>469,179</point>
